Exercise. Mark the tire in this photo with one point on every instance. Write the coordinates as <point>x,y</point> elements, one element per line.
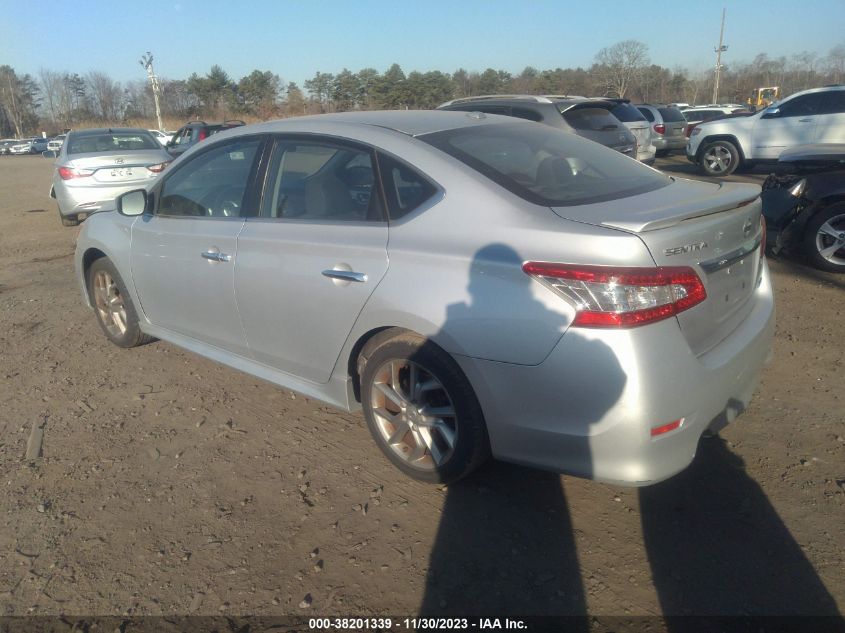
<point>428,448</point>
<point>719,158</point>
<point>67,220</point>
<point>113,305</point>
<point>662,153</point>
<point>824,239</point>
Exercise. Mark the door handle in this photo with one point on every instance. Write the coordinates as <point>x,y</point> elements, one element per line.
<point>216,257</point>
<point>345,275</point>
<point>805,120</point>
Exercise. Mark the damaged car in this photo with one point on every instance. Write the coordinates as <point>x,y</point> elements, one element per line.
<point>804,204</point>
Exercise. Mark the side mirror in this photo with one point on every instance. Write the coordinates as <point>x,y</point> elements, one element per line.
<point>771,113</point>
<point>132,203</point>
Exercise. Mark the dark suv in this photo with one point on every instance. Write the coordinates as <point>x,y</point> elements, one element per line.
<point>192,133</point>
<point>590,118</point>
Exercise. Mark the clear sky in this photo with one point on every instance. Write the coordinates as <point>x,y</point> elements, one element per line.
<point>296,38</point>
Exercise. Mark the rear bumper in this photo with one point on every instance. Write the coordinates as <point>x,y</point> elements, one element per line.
<point>73,201</point>
<point>589,408</point>
<point>669,142</point>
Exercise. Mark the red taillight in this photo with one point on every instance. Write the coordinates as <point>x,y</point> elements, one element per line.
<point>68,173</point>
<point>611,297</point>
<point>665,428</point>
<point>659,128</point>
<point>158,168</point>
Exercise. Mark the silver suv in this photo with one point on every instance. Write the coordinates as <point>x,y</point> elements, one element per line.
<point>590,118</point>
<point>812,116</point>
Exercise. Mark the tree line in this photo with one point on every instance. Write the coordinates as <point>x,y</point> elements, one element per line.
<point>52,101</point>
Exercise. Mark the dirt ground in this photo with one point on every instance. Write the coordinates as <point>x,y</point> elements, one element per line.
<point>172,485</point>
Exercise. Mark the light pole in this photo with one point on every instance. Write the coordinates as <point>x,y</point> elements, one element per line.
<point>147,63</point>
<point>719,50</point>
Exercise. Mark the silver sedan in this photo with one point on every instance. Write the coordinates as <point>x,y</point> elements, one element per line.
<point>477,285</point>
<point>95,166</point>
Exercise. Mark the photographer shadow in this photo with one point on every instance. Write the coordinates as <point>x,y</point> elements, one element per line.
<point>505,544</point>
<point>716,545</point>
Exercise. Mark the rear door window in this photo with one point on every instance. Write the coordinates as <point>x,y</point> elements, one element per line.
<point>321,180</point>
<point>834,102</point>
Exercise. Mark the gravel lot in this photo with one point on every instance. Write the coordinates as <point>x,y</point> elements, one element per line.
<point>171,485</point>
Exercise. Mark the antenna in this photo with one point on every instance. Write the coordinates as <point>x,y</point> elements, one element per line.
<point>719,50</point>
<point>147,62</point>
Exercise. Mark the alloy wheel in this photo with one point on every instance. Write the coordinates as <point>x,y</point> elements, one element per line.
<point>414,414</point>
<point>109,304</point>
<point>830,240</point>
<point>718,159</point>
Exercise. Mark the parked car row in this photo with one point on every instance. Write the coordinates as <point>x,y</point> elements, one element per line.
<point>34,145</point>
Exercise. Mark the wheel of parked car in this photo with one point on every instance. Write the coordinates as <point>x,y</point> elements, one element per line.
<point>113,305</point>
<point>421,408</point>
<point>68,221</point>
<point>824,238</point>
<point>719,158</point>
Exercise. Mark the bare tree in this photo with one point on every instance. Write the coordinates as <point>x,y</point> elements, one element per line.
<point>836,63</point>
<point>52,86</point>
<point>106,95</point>
<point>618,66</point>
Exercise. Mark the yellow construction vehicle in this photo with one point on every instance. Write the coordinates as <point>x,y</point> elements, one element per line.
<point>764,97</point>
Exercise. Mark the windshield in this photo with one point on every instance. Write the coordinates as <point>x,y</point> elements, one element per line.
<point>112,142</point>
<point>547,166</point>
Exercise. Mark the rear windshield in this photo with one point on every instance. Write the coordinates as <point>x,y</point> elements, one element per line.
<point>627,113</point>
<point>595,119</point>
<point>112,142</point>
<point>671,114</point>
<point>547,166</point>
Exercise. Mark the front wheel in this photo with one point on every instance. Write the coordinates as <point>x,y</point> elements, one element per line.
<point>420,408</point>
<point>115,312</point>
<point>719,158</point>
<point>824,239</point>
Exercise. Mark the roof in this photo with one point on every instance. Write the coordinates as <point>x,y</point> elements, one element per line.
<point>410,122</point>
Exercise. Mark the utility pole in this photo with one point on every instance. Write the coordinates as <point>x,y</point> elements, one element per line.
<point>147,63</point>
<point>719,50</point>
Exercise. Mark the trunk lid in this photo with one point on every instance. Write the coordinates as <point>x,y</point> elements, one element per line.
<point>713,228</point>
<point>118,166</point>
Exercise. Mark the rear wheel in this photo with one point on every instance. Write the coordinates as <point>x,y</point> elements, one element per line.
<point>719,158</point>
<point>824,239</point>
<point>68,220</point>
<point>420,408</point>
<point>115,312</point>
<point>662,153</point>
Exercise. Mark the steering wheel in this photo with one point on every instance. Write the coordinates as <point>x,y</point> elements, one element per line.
<point>224,203</point>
